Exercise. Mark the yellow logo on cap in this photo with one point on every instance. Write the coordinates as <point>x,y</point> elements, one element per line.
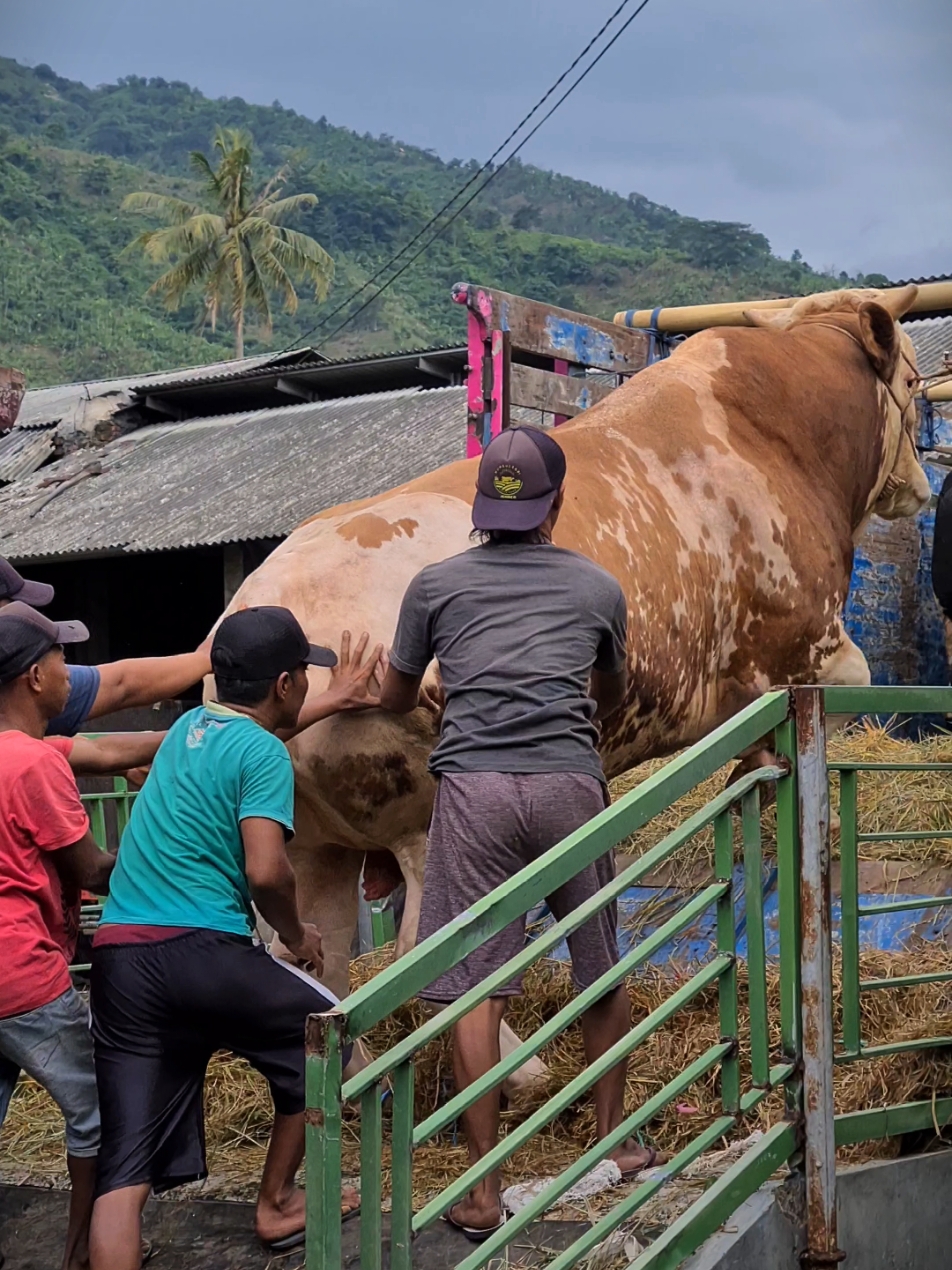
<point>507,481</point>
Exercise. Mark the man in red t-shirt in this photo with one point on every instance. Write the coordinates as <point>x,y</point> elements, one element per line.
<point>47,856</point>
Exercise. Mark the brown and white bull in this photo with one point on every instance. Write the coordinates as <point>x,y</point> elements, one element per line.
<point>724,487</point>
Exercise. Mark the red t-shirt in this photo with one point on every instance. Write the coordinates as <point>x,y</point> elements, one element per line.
<point>40,812</point>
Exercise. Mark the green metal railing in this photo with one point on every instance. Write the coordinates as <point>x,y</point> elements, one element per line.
<point>120,798</point>
<point>802,1064</point>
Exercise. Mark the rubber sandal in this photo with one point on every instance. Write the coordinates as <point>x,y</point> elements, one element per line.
<point>148,1252</point>
<point>288,1243</point>
<point>296,1240</point>
<point>654,1157</point>
<point>475,1234</point>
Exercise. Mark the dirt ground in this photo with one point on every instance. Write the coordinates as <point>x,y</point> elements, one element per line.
<point>215,1235</point>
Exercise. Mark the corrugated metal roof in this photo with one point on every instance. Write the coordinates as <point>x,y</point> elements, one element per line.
<point>932,338</point>
<point>67,403</point>
<point>217,375</point>
<point>238,476</point>
<point>921,282</point>
<point>22,451</point>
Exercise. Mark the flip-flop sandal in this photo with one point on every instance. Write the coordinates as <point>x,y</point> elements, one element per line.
<point>296,1240</point>
<point>654,1157</point>
<point>148,1252</point>
<point>475,1234</point>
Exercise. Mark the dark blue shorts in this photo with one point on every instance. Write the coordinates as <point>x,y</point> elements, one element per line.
<point>160,1010</point>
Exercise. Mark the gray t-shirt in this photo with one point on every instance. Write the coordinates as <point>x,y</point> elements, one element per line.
<point>517,630</point>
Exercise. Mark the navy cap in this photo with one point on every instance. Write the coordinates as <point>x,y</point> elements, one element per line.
<point>520,474</point>
<point>26,636</point>
<point>261,643</point>
<point>13,587</point>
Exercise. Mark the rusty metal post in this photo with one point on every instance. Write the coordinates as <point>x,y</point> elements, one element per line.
<point>816,981</point>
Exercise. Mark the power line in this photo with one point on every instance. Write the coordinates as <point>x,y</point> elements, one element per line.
<point>492,176</point>
<point>475,177</point>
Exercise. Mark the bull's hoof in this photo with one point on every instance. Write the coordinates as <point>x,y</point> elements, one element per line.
<point>525,1090</point>
<point>761,758</point>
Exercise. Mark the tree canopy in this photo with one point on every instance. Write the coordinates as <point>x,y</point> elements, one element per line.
<point>235,246</point>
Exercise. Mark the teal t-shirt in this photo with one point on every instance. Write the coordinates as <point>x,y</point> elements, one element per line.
<point>181,859</point>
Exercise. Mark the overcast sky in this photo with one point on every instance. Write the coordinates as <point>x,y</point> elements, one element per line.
<point>825,124</point>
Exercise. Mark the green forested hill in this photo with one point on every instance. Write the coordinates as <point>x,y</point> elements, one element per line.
<point>71,306</point>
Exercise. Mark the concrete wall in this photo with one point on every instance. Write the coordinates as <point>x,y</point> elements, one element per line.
<point>891,1215</point>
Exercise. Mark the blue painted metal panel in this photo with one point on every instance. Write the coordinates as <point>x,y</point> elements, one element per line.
<point>891,611</point>
<point>576,342</point>
<point>887,932</point>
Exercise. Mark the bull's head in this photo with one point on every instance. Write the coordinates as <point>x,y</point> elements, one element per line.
<point>901,487</point>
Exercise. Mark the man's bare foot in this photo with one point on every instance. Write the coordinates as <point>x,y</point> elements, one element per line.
<point>632,1158</point>
<point>474,1215</point>
<point>382,875</point>
<point>275,1221</point>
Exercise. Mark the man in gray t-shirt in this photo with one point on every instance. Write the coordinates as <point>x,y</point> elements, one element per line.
<point>531,644</point>
<point>517,628</point>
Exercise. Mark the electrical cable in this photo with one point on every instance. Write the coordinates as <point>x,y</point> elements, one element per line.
<point>475,177</point>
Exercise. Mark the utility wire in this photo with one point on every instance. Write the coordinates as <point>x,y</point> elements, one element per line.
<point>491,177</point>
<point>475,177</point>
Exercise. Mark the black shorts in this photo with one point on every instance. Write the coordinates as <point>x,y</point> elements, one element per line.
<point>159,1013</point>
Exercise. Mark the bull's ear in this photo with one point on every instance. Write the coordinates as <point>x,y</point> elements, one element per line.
<point>877,332</point>
<point>899,302</point>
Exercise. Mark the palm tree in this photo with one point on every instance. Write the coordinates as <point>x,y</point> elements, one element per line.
<point>236,248</point>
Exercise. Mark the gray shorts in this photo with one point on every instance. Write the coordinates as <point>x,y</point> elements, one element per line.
<point>486,826</point>
<point>53,1045</point>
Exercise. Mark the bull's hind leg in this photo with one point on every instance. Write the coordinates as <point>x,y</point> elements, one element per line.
<point>327,881</point>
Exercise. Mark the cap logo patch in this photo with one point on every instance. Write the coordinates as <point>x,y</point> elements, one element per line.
<point>507,481</point>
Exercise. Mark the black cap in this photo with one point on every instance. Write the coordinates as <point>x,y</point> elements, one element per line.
<point>26,636</point>
<point>261,643</point>
<point>13,587</point>
<point>520,473</point>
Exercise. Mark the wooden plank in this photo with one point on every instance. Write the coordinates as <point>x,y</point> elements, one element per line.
<point>548,331</point>
<point>559,394</point>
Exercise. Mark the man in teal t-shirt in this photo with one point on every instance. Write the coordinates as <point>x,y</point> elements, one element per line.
<point>183,860</point>
<point>176,971</point>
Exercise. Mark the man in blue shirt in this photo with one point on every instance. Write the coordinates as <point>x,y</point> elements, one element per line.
<point>177,973</point>
<point>98,690</point>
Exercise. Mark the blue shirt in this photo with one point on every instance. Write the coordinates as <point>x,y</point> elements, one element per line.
<point>83,686</point>
<point>181,860</point>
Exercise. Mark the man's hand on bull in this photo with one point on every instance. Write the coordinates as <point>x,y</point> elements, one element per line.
<point>308,949</point>
<point>355,685</point>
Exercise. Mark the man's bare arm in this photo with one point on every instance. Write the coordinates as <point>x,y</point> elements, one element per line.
<point>113,752</point>
<point>274,889</point>
<point>141,681</point>
<point>400,692</point>
<point>608,691</point>
<point>83,866</point>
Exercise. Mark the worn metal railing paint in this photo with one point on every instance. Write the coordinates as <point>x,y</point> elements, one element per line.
<point>803,1067</point>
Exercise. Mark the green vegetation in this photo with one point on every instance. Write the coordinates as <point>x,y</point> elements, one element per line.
<point>238,252</point>
<point>72,305</point>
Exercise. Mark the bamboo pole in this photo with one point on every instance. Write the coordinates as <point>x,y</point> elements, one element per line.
<point>695,317</point>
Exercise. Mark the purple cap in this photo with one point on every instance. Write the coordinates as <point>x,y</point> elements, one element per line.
<point>13,587</point>
<point>520,473</point>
